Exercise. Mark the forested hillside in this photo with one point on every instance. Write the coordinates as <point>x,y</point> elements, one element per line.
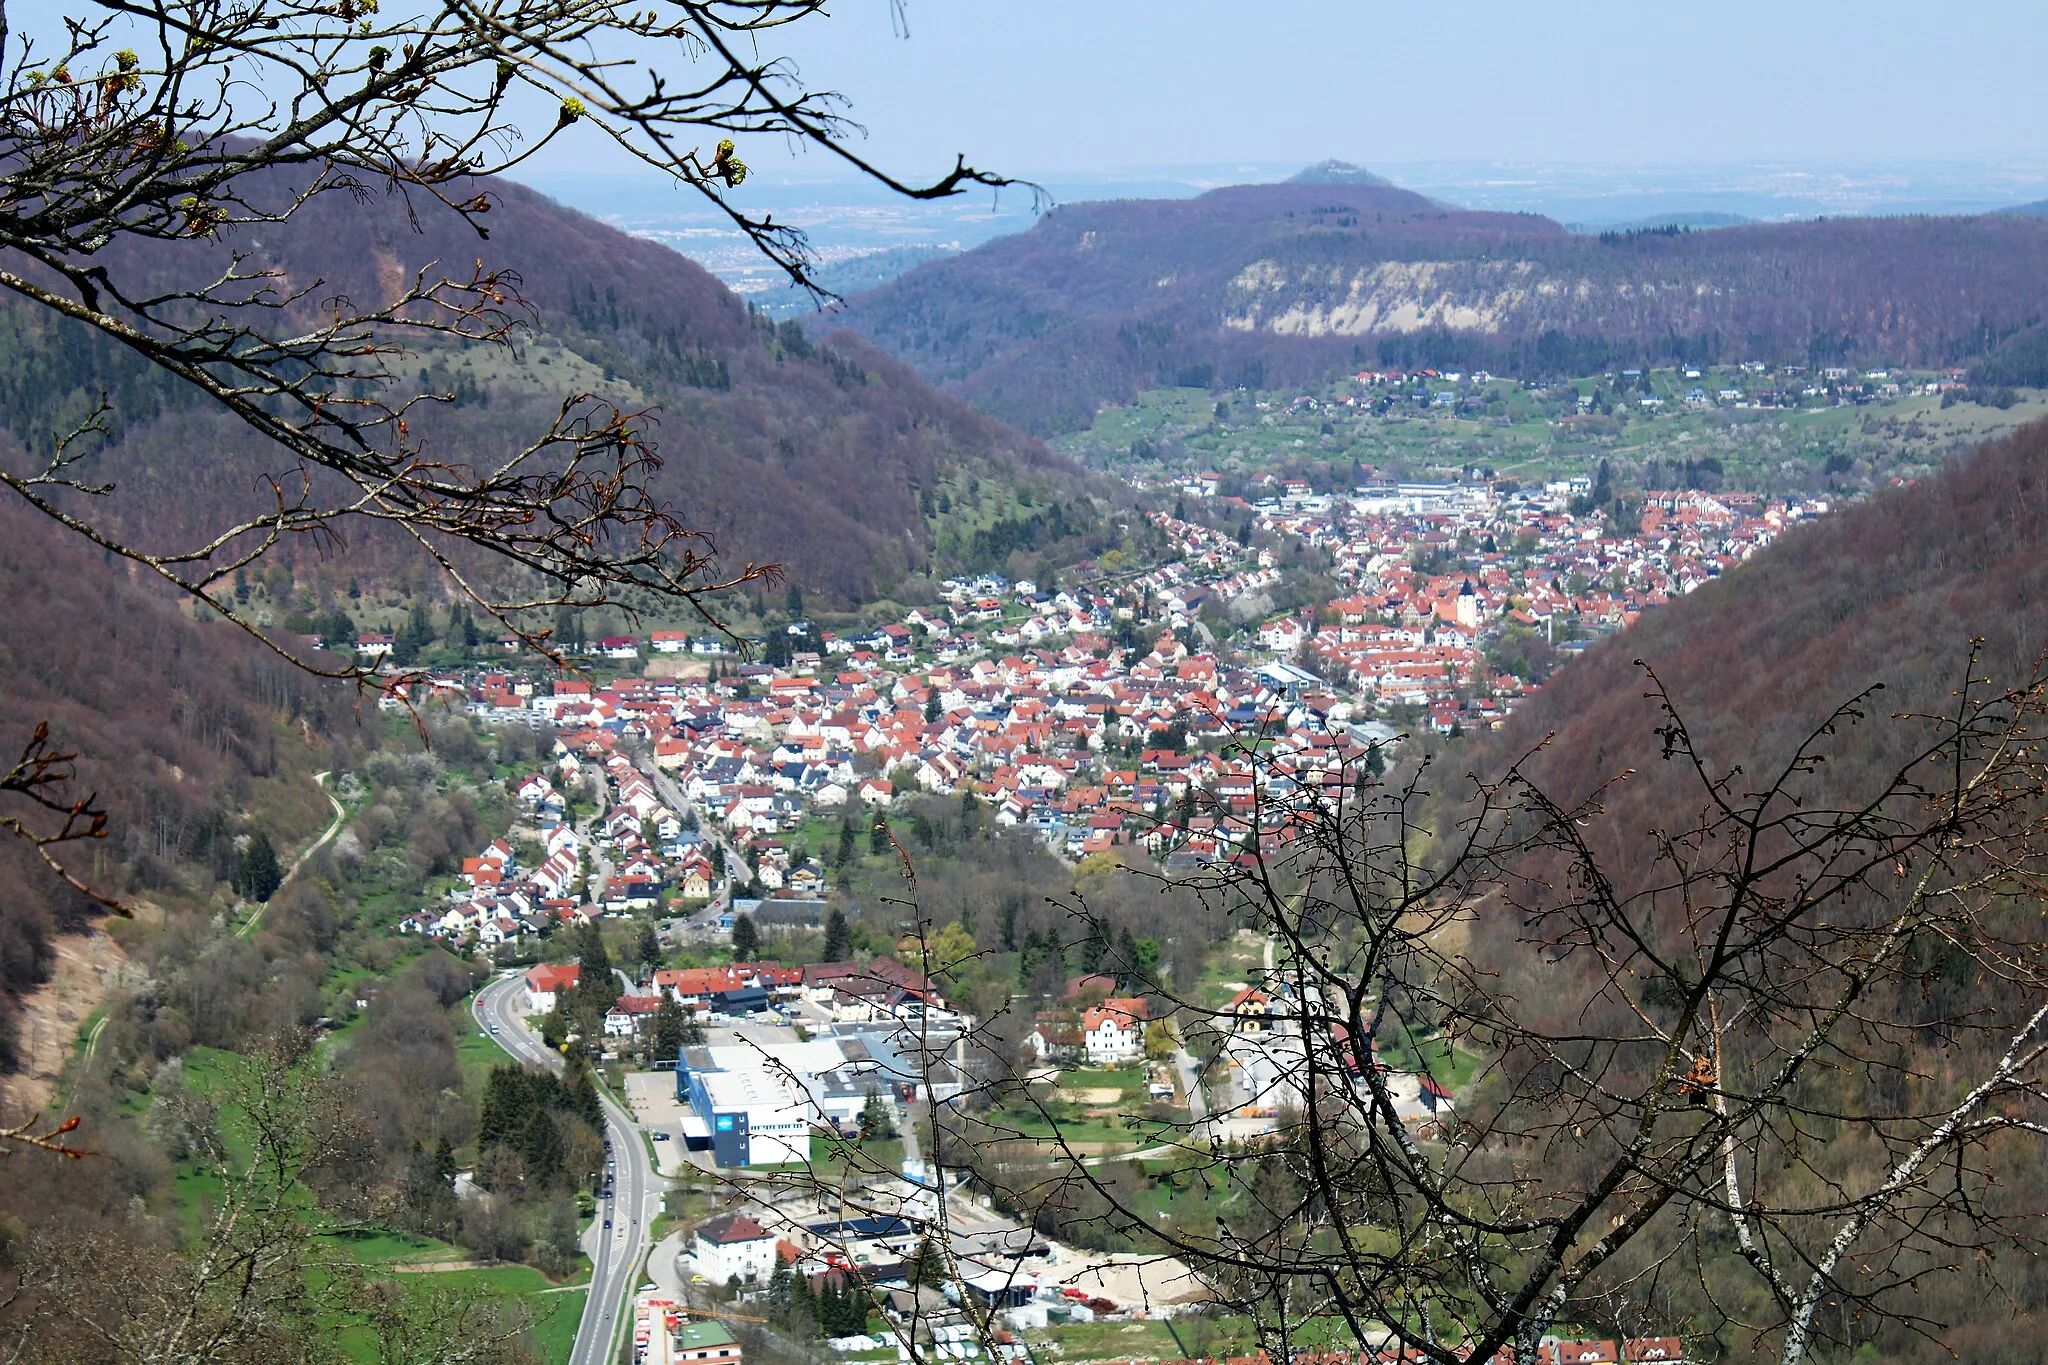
<point>1273,284</point>
<point>194,740</point>
<point>786,450</point>
<point>1890,592</point>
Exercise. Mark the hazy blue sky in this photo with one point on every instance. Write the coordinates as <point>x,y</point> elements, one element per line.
<point>1038,86</point>
<point>1043,87</point>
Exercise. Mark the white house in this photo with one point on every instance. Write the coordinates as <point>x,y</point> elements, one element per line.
<point>1114,1031</point>
<point>734,1246</point>
<point>543,982</point>
<point>630,1015</point>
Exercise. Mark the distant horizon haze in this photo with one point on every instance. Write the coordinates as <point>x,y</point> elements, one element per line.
<point>1058,87</point>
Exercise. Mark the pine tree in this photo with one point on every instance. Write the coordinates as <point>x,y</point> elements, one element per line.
<point>412,637</point>
<point>878,836</point>
<point>1127,971</point>
<point>257,874</point>
<point>503,1113</point>
<point>746,939</point>
<point>540,1148</point>
<point>649,947</point>
<point>582,1096</point>
<point>670,1028</point>
<point>838,935</point>
<point>846,845</point>
<point>591,954</point>
<point>927,1266</point>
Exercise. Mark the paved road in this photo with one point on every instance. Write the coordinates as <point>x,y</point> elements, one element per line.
<point>705,920</point>
<point>615,1253</point>
<point>1191,1086</point>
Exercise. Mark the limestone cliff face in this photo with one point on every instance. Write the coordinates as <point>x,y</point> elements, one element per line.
<point>1284,283</point>
<point>1391,296</point>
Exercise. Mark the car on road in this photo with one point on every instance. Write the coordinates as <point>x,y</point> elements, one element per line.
<point>607,1222</point>
<point>661,1137</point>
<point>494,1030</point>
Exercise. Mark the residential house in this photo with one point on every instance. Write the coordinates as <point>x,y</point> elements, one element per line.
<point>631,1014</point>
<point>545,982</point>
<point>1250,1011</point>
<point>1114,1031</point>
<point>732,1247</point>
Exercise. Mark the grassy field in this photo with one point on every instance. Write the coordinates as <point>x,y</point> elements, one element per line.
<point>556,1310</point>
<point>1078,1108</point>
<point>1236,962</point>
<point>1452,1067</point>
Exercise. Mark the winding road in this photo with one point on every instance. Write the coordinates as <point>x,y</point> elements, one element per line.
<point>616,1252</point>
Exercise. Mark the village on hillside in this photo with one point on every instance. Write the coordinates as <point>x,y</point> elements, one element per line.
<point>1089,716</point>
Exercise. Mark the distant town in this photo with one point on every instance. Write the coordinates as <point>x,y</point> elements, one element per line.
<point>1087,714</point>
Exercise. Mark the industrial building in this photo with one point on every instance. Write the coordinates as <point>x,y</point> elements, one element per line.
<point>756,1104</point>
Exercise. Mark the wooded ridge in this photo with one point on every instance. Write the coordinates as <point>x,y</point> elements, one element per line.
<point>1268,285</point>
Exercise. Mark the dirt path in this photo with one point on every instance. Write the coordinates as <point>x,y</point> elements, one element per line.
<point>87,964</point>
<point>51,1015</point>
<point>248,926</point>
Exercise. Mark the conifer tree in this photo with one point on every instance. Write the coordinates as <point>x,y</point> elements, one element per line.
<point>257,874</point>
<point>746,939</point>
<point>838,935</point>
<point>670,1029</point>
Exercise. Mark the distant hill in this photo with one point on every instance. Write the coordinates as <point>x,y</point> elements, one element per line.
<point>2037,209</point>
<point>788,448</point>
<point>1334,172</point>
<point>1281,284</point>
<point>851,276</point>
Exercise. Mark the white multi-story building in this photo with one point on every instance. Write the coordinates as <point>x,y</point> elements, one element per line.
<point>731,1247</point>
<point>1114,1031</point>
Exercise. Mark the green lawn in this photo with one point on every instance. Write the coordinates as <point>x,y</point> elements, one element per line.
<point>555,1332</point>
<point>1452,1067</point>
<point>475,1051</point>
<point>556,1311</point>
<point>1062,1121</point>
<point>1234,963</point>
<point>1109,1341</point>
<point>392,1248</point>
